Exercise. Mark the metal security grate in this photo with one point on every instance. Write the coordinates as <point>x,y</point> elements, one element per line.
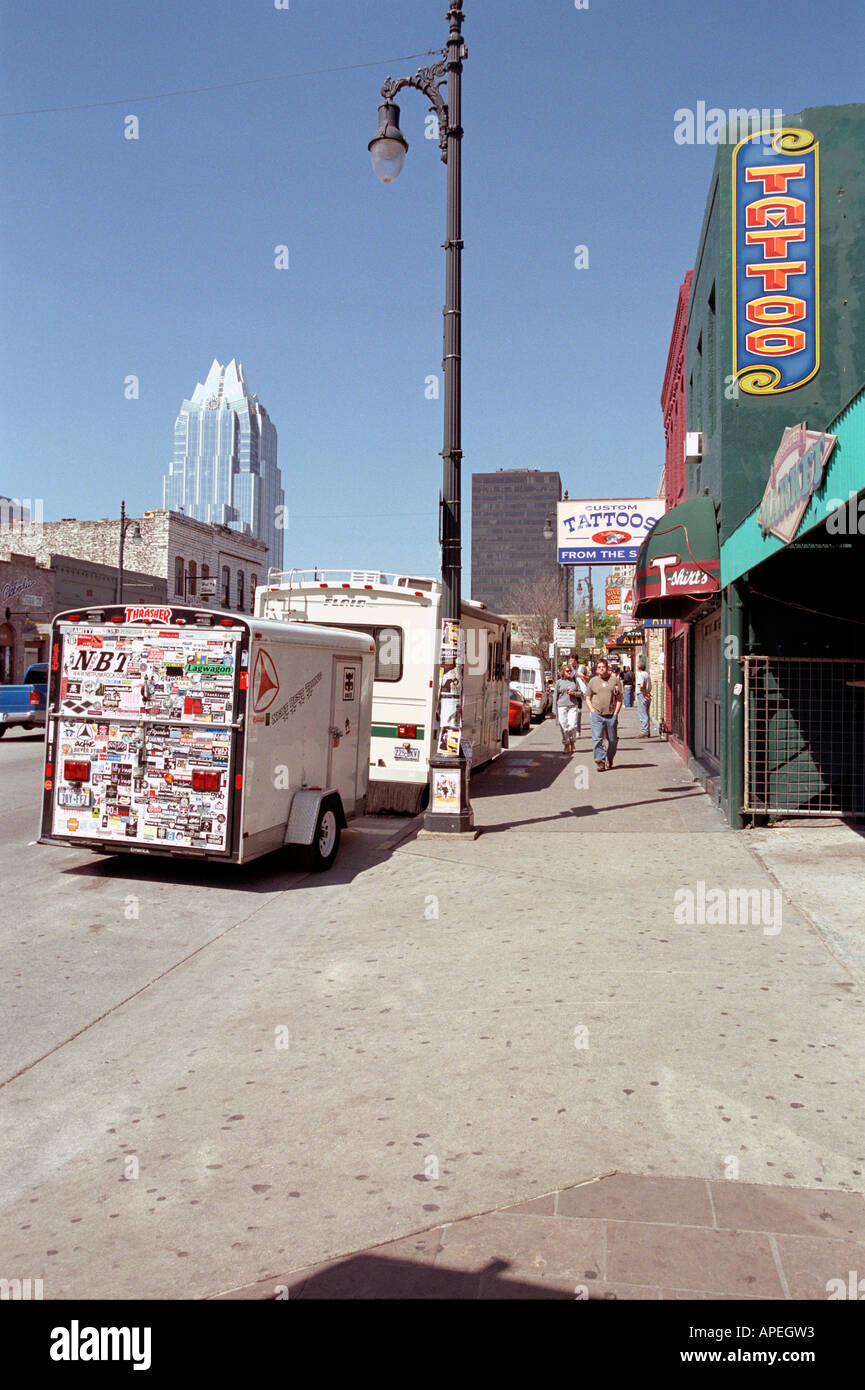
<point>805,736</point>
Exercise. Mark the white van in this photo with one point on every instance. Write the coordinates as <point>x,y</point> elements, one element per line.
<point>530,676</point>
<point>402,612</point>
<point>190,731</point>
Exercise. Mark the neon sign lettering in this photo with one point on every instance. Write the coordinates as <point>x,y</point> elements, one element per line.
<point>776,328</point>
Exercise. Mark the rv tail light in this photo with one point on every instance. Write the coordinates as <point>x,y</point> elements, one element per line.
<point>367,586</point>
<point>238,781</point>
<point>244,680</point>
<point>322,586</point>
<point>73,618</point>
<point>226,622</point>
<point>205,781</point>
<point>34,697</point>
<point>406,730</point>
<point>117,618</point>
<point>345,586</point>
<point>49,769</point>
<point>76,771</point>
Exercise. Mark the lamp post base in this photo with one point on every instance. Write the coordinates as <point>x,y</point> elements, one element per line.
<point>449,811</point>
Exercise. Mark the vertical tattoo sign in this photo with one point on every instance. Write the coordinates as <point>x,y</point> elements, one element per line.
<point>776,262</point>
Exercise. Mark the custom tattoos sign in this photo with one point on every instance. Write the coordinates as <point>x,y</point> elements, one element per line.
<point>776,261</point>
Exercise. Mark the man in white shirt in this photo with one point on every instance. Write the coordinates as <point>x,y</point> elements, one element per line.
<point>644,693</point>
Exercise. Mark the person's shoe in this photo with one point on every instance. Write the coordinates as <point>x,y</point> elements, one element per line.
<point>601,766</point>
<point>609,763</point>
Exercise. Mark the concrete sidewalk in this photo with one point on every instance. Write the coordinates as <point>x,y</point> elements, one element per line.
<point>673,1099</point>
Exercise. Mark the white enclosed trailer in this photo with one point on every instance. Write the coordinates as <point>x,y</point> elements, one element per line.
<point>403,615</point>
<point>191,731</point>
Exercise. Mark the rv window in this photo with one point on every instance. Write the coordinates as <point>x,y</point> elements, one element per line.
<point>388,653</point>
<point>388,647</point>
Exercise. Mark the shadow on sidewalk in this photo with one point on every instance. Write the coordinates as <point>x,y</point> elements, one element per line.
<point>575,812</point>
<point>375,1276</point>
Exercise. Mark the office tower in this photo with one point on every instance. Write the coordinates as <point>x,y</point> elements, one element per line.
<point>224,468</point>
<point>510,509</point>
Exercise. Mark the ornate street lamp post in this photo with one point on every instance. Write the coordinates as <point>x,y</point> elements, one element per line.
<point>136,536</point>
<point>449,808</point>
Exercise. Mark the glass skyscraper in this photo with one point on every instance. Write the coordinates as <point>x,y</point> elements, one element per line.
<point>224,469</point>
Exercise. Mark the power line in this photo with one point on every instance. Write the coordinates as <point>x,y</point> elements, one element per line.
<point>220,87</point>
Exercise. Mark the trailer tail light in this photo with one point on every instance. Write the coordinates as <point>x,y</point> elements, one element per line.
<point>49,769</point>
<point>76,771</point>
<point>244,680</point>
<point>238,782</point>
<point>367,586</point>
<point>205,781</point>
<point>34,697</point>
<point>406,730</point>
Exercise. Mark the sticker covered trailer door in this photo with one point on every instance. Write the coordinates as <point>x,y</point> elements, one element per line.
<point>141,741</point>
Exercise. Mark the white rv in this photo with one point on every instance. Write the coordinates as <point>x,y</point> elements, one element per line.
<point>190,731</point>
<point>530,676</point>
<point>403,615</point>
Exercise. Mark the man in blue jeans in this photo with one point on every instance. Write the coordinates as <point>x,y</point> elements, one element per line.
<point>604,696</point>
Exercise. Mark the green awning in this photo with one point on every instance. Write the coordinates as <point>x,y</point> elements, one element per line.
<point>679,566</point>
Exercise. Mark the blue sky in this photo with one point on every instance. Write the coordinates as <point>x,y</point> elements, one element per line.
<point>150,257</point>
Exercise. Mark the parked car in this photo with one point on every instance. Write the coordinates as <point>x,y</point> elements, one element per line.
<point>519,711</point>
<point>530,676</point>
<point>24,705</point>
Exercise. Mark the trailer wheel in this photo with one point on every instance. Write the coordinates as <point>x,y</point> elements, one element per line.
<point>3,728</point>
<point>325,842</point>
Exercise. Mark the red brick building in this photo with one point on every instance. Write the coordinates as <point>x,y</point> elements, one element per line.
<point>673,405</point>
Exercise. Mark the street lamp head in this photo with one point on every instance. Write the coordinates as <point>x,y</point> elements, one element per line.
<point>388,146</point>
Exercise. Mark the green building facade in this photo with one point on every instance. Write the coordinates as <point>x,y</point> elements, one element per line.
<point>775,343</point>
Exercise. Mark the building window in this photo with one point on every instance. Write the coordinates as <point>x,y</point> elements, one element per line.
<point>226,587</point>
<point>192,578</point>
<point>241,585</point>
<point>178,575</point>
<point>253,585</point>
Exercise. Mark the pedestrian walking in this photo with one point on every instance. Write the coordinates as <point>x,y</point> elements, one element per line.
<point>605,694</point>
<point>581,677</point>
<point>566,707</point>
<point>628,683</point>
<point>644,694</point>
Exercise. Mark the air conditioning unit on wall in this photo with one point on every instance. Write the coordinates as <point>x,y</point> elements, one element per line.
<point>693,446</point>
